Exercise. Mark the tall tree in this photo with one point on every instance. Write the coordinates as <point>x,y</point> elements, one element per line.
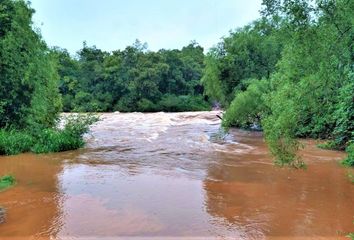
<point>28,79</point>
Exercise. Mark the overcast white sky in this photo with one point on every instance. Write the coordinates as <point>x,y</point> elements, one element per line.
<point>114,24</point>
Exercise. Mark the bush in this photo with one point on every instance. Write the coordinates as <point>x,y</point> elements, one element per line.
<point>195,103</point>
<point>145,105</point>
<point>68,138</point>
<point>349,161</point>
<point>6,182</point>
<point>330,145</point>
<point>125,104</point>
<point>13,142</point>
<point>344,115</point>
<point>173,103</point>
<point>46,140</point>
<point>51,140</point>
<point>248,107</point>
<point>280,127</point>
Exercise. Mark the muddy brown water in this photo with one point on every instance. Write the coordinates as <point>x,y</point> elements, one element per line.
<point>169,176</point>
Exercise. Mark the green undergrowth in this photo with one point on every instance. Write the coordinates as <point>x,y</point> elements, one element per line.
<point>6,182</point>
<point>330,145</point>
<point>349,161</point>
<point>350,175</point>
<point>350,236</point>
<point>47,140</point>
<point>13,142</point>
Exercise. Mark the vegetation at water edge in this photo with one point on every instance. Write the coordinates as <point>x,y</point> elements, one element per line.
<point>47,140</point>
<point>290,72</point>
<point>349,161</point>
<point>6,182</point>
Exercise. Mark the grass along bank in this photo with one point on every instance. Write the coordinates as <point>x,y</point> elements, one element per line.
<point>6,182</point>
<point>45,140</point>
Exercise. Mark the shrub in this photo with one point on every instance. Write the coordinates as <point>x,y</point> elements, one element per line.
<point>330,145</point>
<point>68,138</point>
<point>248,107</point>
<point>46,140</point>
<point>6,182</point>
<point>125,104</point>
<point>344,115</point>
<point>13,142</point>
<point>173,103</point>
<point>194,103</point>
<point>145,105</point>
<point>280,126</point>
<point>50,140</point>
<point>349,161</point>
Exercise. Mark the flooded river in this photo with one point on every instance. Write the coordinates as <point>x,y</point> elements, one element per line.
<point>171,176</point>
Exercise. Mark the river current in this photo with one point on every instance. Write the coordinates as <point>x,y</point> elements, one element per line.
<point>175,176</point>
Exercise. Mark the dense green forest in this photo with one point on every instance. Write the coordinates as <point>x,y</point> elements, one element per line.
<point>134,79</point>
<point>290,73</point>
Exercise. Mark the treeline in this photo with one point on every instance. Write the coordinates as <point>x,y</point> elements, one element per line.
<point>290,72</point>
<point>133,79</point>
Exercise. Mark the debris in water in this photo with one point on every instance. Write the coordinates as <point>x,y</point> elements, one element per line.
<point>2,215</point>
<point>219,136</point>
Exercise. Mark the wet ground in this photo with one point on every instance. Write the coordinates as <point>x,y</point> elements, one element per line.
<point>172,176</point>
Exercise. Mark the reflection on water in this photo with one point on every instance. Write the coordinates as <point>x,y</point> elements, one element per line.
<point>32,205</point>
<point>171,175</point>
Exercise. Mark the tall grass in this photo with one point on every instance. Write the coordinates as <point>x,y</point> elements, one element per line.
<point>349,161</point>
<point>14,142</point>
<point>69,137</point>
